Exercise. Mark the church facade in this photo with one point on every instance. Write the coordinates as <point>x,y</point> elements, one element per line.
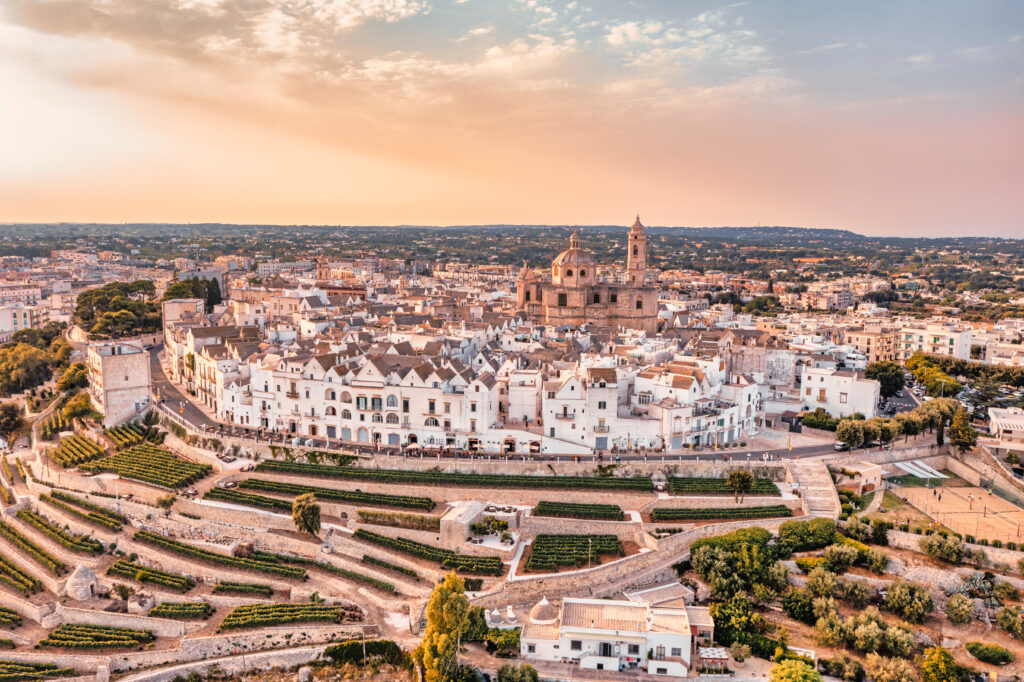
<point>571,293</point>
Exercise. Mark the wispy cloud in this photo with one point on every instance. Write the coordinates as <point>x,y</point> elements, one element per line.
<point>475,33</point>
<point>833,47</point>
<point>923,58</point>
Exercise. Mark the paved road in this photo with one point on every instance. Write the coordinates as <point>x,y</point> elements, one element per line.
<point>182,404</point>
<point>904,401</point>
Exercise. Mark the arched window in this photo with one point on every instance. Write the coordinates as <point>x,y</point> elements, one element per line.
<point>345,414</point>
<point>568,272</point>
<point>392,418</point>
<point>330,411</point>
<point>392,401</point>
<point>431,421</point>
<point>377,418</point>
<point>636,249</point>
<point>331,395</point>
<point>583,273</point>
<point>346,397</point>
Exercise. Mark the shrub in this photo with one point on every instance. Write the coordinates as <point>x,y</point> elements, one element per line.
<point>799,605</point>
<point>1011,620</point>
<point>908,600</point>
<point>989,653</point>
<point>839,558</point>
<point>809,563</point>
<point>805,536</point>
<point>855,592</point>
<point>351,651</point>
<point>959,609</point>
<point>843,666</point>
<point>821,583</point>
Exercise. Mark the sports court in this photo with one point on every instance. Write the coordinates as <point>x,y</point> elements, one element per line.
<point>968,510</point>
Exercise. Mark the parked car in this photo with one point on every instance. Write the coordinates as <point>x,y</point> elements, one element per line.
<point>229,484</point>
<point>840,446</point>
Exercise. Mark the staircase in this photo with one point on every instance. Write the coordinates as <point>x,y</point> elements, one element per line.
<point>816,488</point>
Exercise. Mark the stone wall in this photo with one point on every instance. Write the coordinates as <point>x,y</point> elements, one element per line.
<point>234,665</point>
<point>996,555</point>
<point>625,530</point>
<point>161,627</point>
<point>202,648</point>
<point>27,609</point>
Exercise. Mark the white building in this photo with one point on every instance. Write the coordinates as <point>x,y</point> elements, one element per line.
<point>1007,423</point>
<point>119,380</point>
<point>840,392</point>
<point>601,634</point>
<point>935,338</point>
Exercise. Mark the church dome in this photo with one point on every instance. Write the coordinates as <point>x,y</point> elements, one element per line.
<point>543,612</point>
<point>574,256</point>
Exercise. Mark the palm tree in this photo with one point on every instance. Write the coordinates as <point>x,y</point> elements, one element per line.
<point>740,481</point>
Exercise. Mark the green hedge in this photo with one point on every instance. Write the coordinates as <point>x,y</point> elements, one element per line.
<point>76,636</point>
<point>668,514</point>
<point>16,671</point>
<point>182,610</point>
<point>77,543</point>
<point>134,571</point>
<point>353,496</point>
<point>187,550</point>
<point>248,499</point>
<point>457,479</point>
<point>549,552</point>
<point>51,563</point>
<point>263,615</point>
<point>680,485</point>
<point>479,565</point>
<point>574,510</point>
<point>227,586</point>
<point>989,653</point>
<point>351,651</point>
<point>374,561</point>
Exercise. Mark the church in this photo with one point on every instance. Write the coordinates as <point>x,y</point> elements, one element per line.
<point>571,293</point>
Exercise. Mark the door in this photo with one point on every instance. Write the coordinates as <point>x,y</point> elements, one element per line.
<point>346,433</point>
<point>332,432</point>
<point>677,442</point>
<point>601,443</point>
<point>392,439</point>
<point>606,649</point>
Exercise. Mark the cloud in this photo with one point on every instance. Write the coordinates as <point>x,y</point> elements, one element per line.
<point>1016,38</point>
<point>923,58</point>
<point>475,33</point>
<point>833,47</point>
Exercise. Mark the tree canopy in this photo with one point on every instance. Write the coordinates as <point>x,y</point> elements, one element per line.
<point>118,309</point>
<point>447,624</point>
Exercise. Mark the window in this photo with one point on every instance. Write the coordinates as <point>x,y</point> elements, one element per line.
<point>377,419</point>
<point>639,304</point>
<point>447,425</point>
<point>405,404</point>
<point>361,402</point>
<point>431,421</point>
<point>842,397</point>
<point>576,645</point>
<point>563,300</point>
<point>392,401</point>
<point>472,407</point>
<point>376,403</point>
<point>659,653</point>
<point>583,273</point>
<point>392,418</point>
<point>601,405</point>
<point>528,298</point>
<point>345,414</point>
<point>597,298</point>
<point>568,272</point>
<point>472,425</point>
<point>808,391</point>
<point>613,298</point>
<point>634,649</point>
<point>447,408</point>
<point>661,671</point>
<point>821,394</point>
<point>551,394</point>
<point>677,652</point>
<point>431,406</point>
<point>531,648</point>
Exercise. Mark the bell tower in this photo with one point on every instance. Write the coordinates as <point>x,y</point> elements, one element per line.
<point>636,255</point>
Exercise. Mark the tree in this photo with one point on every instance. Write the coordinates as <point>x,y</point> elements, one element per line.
<point>961,434</point>
<point>838,558</point>
<point>792,670</point>
<point>959,609</point>
<point>23,367</point>
<point>740,481</point>
<point>944,548</point>
<point>306,514</point>
<point>851,432</point>
<point>10,419</point>
<point>213,295</point>
<point>447,624</point>
<point>855,592</point>
<point>166,501</point>
<point>79,406</point>
<point>910,601</point>
<point>881,669</point>
<point>75,376</point>
<point>889,375</point>
<point>799,605</point>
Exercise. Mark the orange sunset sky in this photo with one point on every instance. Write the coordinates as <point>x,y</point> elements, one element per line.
<point>887,118</point>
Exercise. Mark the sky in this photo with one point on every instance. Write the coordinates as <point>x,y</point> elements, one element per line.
<point>886,117</point>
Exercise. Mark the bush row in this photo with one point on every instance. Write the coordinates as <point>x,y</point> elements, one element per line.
<point>400,520</point>
<point>75,450</point>
<point>187,550</point>
<point>667,514</point>
<point>490,565</point>
<point>48,561</point>
<point>182,610</point>
<point>689,485</point>
<point>142,574</point>
<point>228,586</point>
<point>247,499</point>
<point>95,518</point>
<point>573,510</point>
<point>151,464</point>
<point>77,543</point>
<point>331,568</point>
<point>549,552</point>
<point>9,618</point>
<point>449,479</point>
<point>16,671</point>
<point>354,496</point>
<point>14,575</point>
<point>77,636</point>
<point>374,561</point>
<point>262,615</point>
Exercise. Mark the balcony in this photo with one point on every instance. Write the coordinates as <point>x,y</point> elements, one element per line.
<point>292,394</point>
<point>601,429</point>
<point>565,417</point>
